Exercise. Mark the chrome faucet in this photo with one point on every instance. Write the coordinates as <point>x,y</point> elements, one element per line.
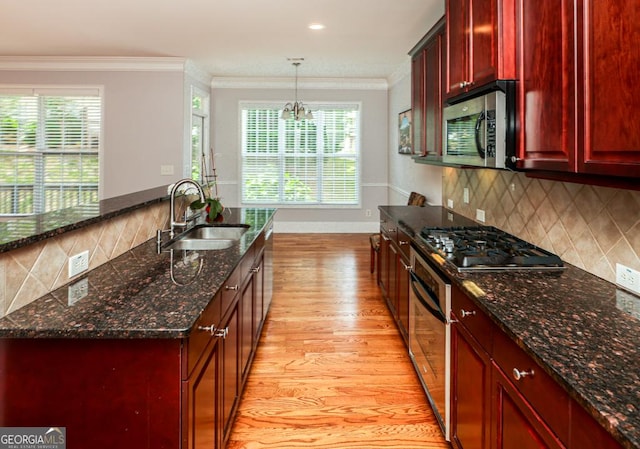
<point>172,203</point>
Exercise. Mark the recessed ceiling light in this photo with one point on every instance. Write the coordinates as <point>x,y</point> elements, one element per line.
<point>316,26</point>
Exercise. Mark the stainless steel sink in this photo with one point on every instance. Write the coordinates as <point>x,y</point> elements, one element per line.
<point>207,237</point>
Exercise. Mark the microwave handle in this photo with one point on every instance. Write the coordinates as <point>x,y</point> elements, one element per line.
<point>481,151</point>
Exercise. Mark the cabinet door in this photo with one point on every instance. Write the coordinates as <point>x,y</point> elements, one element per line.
<point>246,332</point>
<point>403,274</point>
<point>433,88</point>
<point>470,391</point>
<point>229,380</point>
<point>516,425</point>
<point>457,23</point>
<point>611,61</point>
<point>392,293</point>
<point>258,294</point>
<point>202,396</point>
<point>418,102</point>
<point>384,265</point>
<point>546,89</point>
<point>483,47</point>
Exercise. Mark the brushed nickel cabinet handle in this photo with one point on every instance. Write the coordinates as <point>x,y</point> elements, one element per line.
<point>519,375</point>
<point>211,329</point>
<point>464,313</point>
<point>231,287</point>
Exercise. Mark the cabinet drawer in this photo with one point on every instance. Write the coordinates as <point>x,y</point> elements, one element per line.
<point>201,332</point>
<point>549,400</point>
<point>230,288</point>
<point>404,242</point>
<point>389,228</point>
<point>468,314</point>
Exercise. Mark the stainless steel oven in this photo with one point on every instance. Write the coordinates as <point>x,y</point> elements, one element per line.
<point>429,334</point>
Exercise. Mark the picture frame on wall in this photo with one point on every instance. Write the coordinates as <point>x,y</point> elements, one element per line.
<point>405,144</point>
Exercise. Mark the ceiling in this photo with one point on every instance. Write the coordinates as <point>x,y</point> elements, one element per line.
<point>227,38</point>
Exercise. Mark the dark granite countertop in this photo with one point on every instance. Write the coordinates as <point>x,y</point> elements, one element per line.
<point>16,232</point>
<point>581,329</point>
<point>134,296</point>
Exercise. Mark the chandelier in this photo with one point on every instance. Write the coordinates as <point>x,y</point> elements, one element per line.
<point>296,108</point>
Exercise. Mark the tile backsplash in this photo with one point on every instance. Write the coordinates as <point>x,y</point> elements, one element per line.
<point>590,227</point>
<point>31,272</point>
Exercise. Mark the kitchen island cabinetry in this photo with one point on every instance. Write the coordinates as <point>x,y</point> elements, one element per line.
<point>480,43</point>
<point>154,360</point>
<point>586,69</point>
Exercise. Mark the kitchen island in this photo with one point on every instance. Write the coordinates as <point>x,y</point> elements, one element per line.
<point>153,354</point>
<point>581,330</point>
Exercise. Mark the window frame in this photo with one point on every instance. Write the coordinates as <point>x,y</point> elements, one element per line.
<point>314,107</point>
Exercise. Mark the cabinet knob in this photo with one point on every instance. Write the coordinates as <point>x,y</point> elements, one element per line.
<point>514,159</point>
<point>231,287</point>
<point>222,333</point>
<point>518,375</point>
<point>464,313</point>
<point>211,329</point>
<point>255,270</point>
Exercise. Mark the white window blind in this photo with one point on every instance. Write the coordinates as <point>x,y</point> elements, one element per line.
<point>306,162</point>
<point>49,147</point>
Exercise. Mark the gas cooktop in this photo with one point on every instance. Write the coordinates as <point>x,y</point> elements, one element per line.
<point>477,248</point>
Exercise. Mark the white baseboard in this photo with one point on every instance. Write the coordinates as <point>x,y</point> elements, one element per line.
<point>318,227</point>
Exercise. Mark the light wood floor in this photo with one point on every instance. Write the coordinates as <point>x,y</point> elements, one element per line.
<point>331,370</point>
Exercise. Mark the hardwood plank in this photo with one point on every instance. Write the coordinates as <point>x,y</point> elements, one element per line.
<point>331,370</point>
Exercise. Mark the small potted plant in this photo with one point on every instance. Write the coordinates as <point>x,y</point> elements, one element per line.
<point>212,206</point>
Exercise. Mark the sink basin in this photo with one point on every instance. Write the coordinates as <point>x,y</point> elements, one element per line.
<point>206,237</point>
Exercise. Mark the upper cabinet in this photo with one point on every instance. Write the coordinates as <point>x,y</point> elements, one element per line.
<point>577,75</point>
<point>427,78</point>
<point>480,43</point>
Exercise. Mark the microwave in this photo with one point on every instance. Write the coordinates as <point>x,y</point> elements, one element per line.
<point>479,129</point>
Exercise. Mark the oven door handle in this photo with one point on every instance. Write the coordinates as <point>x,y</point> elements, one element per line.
<point>429,302</point>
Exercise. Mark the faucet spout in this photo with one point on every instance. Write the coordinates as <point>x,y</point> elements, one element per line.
<point>172,202</point>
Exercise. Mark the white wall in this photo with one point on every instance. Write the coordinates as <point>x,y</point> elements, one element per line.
<point>405,175</point>
<point>143,122</point>
<point>225,137</point>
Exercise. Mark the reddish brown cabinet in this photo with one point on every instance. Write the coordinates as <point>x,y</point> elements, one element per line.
<point>480,43</point>
<point>427,85</point>
<point>577,76</point>
<point>501,398</point>
<point>143,393</point>
<point>394,272</point>
<point>471,374</point>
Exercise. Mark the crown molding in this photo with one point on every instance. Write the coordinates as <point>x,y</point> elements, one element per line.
<point>400,73</point>
<point>197,72</point>
<point>93,63</point>
<point>304,83</point>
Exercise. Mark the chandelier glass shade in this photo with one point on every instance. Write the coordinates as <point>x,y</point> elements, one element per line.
<point>296,109</point>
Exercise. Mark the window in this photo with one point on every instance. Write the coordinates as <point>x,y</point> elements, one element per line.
<point>306,162</point>
<point>49,147</point>
<point>200,171</point>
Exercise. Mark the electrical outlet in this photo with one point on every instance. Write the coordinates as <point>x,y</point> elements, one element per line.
<point>628,278</point>
<point>450,203</point>
<point>78,263</point>
<point>466,195</point>
<point>480,215</point>
<point>166,170</point>
<point>367,212</point>
<point>78,290</point>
